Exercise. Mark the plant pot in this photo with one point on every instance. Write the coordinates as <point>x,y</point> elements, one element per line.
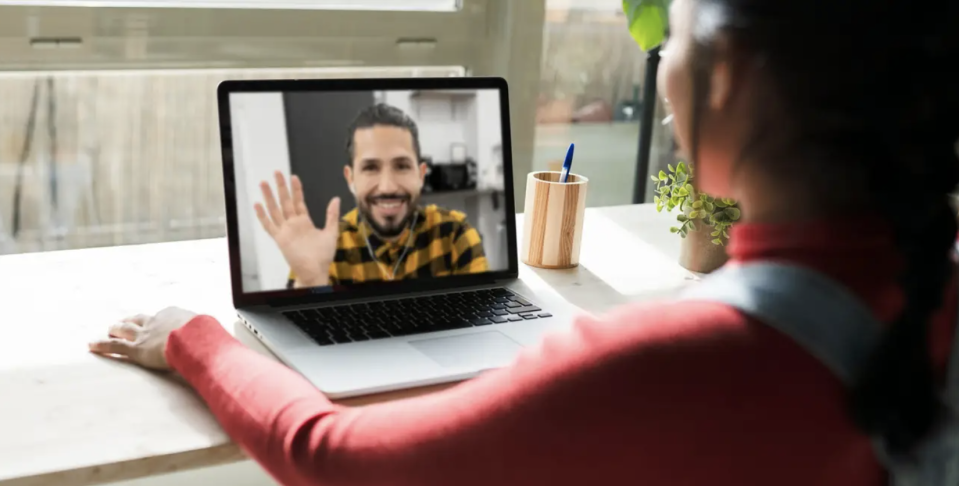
<point>699,254</point>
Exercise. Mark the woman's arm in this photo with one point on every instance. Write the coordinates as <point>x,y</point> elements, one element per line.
<point>552,417</point>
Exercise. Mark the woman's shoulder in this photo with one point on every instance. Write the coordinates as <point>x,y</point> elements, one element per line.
<point>690,338</point>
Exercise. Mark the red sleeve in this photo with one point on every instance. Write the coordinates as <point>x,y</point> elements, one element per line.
<point>507,427</point>
<point>608,402</point>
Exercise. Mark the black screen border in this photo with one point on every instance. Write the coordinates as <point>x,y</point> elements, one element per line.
<point>284,298</point>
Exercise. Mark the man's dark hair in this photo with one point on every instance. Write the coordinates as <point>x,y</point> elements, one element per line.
<point>385,115</point>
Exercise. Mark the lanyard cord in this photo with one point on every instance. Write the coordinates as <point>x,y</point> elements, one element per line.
<point>399,262</point>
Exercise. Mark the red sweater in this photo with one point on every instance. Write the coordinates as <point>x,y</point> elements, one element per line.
<point>653,394</point>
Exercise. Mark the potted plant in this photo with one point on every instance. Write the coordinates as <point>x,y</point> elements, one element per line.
<point>704,221</point>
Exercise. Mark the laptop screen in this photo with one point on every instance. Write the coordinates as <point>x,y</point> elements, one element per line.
<point>338,189</point>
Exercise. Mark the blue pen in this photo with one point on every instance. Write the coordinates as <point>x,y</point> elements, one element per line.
<point>567,163</point>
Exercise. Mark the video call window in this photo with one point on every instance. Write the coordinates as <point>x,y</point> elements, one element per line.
<point>340,188</point>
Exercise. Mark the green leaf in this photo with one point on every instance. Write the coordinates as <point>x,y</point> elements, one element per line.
<point>664,190</point>
<point>682,218</point>
<point>729,202</point>
<point>674,230</point>
<point>692,226</point>
<point>710,207</point>
<point>683,192</point>
<point>720,204</point>
<point>709,198</point>
<point>698,205</point>
<point>675,201</point>
<point>718,242</point>
<point>659,207</point>
<point>654,178</point>
<point>733,213</point>
<point>670,167</point>
<point>647,21</point>
<point>690,188</point>
<point>663,176</point>
<point>682,166</point>
<point>716,233</point>
<point>725,234</point>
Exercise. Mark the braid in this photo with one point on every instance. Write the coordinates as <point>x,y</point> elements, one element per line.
<point>897,398</point>
<point>879,108</point>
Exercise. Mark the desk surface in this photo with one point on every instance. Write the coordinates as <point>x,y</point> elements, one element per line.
<point>70,418</point>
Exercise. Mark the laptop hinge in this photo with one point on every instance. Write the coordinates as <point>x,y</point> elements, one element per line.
<point>312,302</point>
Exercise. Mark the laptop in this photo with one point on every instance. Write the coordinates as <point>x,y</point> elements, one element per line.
<point>372,229</point>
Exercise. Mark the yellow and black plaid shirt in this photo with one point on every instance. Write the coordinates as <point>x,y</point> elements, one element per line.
<point>443,244</point>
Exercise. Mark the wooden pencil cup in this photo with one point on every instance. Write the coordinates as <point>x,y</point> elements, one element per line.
<point>553,224</point>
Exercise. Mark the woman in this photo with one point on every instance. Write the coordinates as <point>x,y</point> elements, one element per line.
<point>834,124</point>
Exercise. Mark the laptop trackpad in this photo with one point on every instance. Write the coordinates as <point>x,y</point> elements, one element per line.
<point>481,350</point>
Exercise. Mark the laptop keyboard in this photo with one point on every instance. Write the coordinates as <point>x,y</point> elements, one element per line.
<point>379,320</point>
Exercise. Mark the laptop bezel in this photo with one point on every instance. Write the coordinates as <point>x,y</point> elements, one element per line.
<point>286,298</point>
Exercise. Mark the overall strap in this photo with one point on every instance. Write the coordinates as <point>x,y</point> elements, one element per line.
<point>802,304</point>
<point>833,325</point>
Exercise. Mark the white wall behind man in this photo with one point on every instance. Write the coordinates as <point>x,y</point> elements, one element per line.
<point>441,122</point>
<point>260,149</point>
<point>489,133</point>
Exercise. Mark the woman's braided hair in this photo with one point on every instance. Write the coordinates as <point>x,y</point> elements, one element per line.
<point>867,88</point>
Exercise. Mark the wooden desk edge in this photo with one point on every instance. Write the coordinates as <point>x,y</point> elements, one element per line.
<point>183,461</point>
<point>135,469</point>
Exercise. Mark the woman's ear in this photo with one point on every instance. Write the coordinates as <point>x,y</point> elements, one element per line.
<point>720,86</point>
<point>722,77</point>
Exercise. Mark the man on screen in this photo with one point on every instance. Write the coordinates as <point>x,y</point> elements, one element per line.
<point>388,236</point>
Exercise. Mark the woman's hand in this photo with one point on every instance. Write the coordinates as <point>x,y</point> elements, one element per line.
<point>143,339</point>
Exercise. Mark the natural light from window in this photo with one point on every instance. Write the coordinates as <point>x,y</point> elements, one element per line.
<point>393,5</point>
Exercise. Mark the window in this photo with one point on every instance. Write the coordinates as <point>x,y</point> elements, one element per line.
<point>590,94</point>
<point>118,158</point>
<point>409,5</point>
<point>132,154</point>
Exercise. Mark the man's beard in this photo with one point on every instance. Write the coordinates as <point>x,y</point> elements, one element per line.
<point>393,226</point>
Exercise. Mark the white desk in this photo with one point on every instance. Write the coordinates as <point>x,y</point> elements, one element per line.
<point>70,418</point>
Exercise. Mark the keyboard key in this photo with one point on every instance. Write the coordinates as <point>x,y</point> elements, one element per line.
<point>524,310</point>
<point>296,317</point>
<point>380,334</point>
<point>544,315</point>
<point>529,317</point>
<point>481,322</point>
<point>500,312</point>
<point>512,305</point>
<point>340,339</point>
<point>323,341</point>
<point>514,318</point>
<point>498,320</point>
